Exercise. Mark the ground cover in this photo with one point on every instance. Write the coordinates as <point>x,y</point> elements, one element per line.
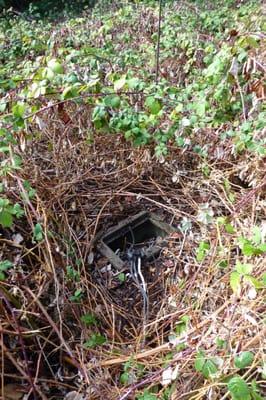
<point>95,128</point>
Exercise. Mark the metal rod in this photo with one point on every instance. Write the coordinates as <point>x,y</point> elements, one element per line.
<point>158,42</point>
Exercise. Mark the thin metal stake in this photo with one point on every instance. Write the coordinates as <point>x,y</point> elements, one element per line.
<point>158,42</point>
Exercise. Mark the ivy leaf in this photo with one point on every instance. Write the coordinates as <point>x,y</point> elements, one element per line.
<point>244,359</point>
<point>239,389</point>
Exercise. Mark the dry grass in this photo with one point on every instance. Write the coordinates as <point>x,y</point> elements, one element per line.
<point>81,189</point>
<point>84,186</point>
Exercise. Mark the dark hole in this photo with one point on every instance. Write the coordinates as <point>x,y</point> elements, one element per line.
<point>137,235</point>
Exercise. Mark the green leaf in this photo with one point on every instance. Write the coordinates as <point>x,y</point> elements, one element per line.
<point>182,325</point>
<point>77,295</point>
<point>55,66</point>
<point>133,83</point>
<point>262,248</point>
<point>6,219</point>
<point>4,149</point>
<point>5,265</point>
<point>2,276</point>
<point>179,108</point>
<point>70,92</point>
<point>202,251</point>
<point>19,109</point>
<point>221,343</point>
<point>2,106</point>
<point>244,269</point>
<point>38,233</point>
<point>235,279</point>
<point>249,249</point>
<point>95,340</point>
<point>49,74</point>
<point>255,391</point>
<point>229,228</point>
<point>120,83</point>
<point>112,101</point>
<point>124,378</point>
<point>122,277</point>
<point>208,367</point>
<point>256,235</point>
<point>89,319</point>
<point>147,396</point>
<point>244,359</point>
<point>72,274</point>
<point>200,108</point>
<point>239,389</point>
<point>17,210</point>
<point>252,42</point>
<point>255,282</point>
<point>153,104</point>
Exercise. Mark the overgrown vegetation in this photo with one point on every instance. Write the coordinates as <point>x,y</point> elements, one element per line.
<point>46,8</point>
<point>91,131</point>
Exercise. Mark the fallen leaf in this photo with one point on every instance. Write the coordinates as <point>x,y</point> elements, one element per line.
<point>74,396</point>
<point>13,392</point>
<point>169,375</point>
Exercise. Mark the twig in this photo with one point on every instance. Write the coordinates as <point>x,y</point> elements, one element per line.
<point>153,376</point>
<point>57,331</point>
<point>163,347</point>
